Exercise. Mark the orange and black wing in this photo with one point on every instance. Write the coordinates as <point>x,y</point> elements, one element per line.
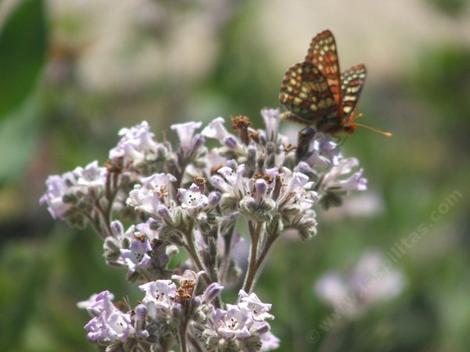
<point>352,81</point>
<point>306,94</point>
<point>323,54</point>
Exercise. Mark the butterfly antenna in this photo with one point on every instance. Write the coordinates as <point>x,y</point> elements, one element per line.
<point>373,129</point>
<point>358,116</point>
<point>376,130</point>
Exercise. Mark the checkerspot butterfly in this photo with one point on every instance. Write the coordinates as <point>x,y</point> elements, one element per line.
<point>316,94</point>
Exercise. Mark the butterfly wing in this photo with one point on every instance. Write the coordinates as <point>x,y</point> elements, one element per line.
<point>322,53</point>
<point>306,94</point>
<point>352,81</point>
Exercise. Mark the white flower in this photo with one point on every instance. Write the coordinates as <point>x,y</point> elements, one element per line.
<point>76,184</point>
<point>216,129</point>
<point>185,131</point>
<point>234,322</point>
<point>339,177</point>
<point>115,326</point>
<point>269,342</point>
<point>231,180</point>
<point>323,152</point>
<point>57,188</point>
<point>296,191</point>
<point>192,198</point>
<point>258,309</point>
<point>272,120</point>
<point>154,191</point>
<point>159,297</point>
<point>92,176</point>
<point>109,323</point>
<point>137,256</point>
<point>137,145</point>
<point>98,303</point>
<point>241,321</point>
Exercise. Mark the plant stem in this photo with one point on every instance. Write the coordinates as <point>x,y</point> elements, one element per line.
<point>192,251</point>
<point>225,264</point>
<point>182,337</point>
<point>95,226</point>
<point>252,263</point>
<point>271,239</point>
<point>194,343</point>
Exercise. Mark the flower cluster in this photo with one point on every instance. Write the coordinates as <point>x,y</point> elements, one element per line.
<point>183,204</point>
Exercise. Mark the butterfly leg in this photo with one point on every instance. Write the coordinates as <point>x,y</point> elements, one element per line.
<point>305,138</point>
<point>289,116</point>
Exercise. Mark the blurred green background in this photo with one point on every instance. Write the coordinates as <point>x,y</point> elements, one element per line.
<point>74,71</point>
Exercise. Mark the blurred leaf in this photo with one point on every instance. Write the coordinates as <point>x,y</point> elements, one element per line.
<point>450,7</point>
<point>23,48</point>
<point>24,271</point>
<point>17,139</point>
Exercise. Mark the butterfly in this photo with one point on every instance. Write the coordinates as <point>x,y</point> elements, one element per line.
<point>315,93</point>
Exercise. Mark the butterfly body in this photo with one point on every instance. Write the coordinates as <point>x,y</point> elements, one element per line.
<point>316,94</point>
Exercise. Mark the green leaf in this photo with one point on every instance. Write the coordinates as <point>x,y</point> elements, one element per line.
<point>18,136</point>
<point>23,49</point>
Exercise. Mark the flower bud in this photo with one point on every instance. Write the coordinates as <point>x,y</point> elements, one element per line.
<point>116,228</point>
<point>211,292</point>
<point>231,142</point>
<point>214,198</point>
<point>164,213</point>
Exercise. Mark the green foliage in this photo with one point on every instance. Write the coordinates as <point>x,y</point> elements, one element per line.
<point>450,7</point>
<point>23,48</point>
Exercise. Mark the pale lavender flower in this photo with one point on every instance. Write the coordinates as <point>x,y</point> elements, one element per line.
<point>188,140</point>
<point>136,146</point>
<point>58,187</point>
<point>323,152</point>
<point>105,328</point>
<point>269,342</point>
<point>258,309</point>
<point>231,180</point>
<point>272,120</point>
<point>192,198</point>
<point>98,303</point>
<point>242,322</point>
<point>153,191</point>
<point>233,323</point>
<point>341,178</point>
<point>74,185</point>
<point>137,255</point>
<point>109,324</point>
<point>91,176</point>
<point>216,130</point>
<point>296,190</point>
<point>159,298</point>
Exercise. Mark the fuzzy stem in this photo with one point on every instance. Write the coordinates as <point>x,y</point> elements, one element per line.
<point>182,337</point>
<point>271,239</point>
<point>252,263</point>
<point>192,251</point>
<point>96,227</point>
<point>194,343</point>
<point>225,264</point>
